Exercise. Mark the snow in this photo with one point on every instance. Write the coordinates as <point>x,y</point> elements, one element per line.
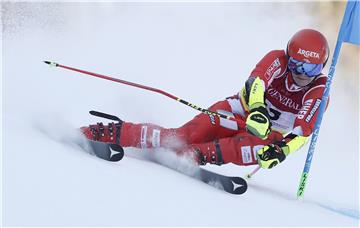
<point>201,52</point>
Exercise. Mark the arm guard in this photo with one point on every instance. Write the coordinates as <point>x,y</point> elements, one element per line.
<point>293,143</point>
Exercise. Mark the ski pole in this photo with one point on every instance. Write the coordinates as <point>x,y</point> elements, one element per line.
<point>249,175</point>
<point>349,32</point>
<point>208,112</point>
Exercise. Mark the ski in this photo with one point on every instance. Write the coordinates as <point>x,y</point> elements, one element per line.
<point>106,151</point>
<point>114,153</point>
<point>230,184</point>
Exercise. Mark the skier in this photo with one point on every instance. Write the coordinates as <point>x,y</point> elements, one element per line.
<point>275,111</point>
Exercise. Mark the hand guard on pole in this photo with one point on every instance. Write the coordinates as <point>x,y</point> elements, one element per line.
<point>258,121</point>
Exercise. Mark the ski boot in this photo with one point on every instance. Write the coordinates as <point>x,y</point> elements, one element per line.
<point>104,133</point>
<point>104,141</point>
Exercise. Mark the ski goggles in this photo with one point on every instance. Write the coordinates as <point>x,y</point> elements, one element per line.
<point>308,69</point>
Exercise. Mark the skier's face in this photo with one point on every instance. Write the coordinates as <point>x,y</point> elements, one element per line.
<point>302,79</point>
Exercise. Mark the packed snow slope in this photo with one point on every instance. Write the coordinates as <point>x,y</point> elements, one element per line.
<point>201,52</point>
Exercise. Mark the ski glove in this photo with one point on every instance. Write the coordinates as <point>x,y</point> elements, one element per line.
<point>258,122</point>
<point>273,154</point>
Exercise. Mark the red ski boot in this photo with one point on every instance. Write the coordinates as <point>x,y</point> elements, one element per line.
<point>100,132</point>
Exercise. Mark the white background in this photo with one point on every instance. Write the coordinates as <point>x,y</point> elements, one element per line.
<point>201,52</point>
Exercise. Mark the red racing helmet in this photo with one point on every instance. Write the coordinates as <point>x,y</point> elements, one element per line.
<point>310,46</point>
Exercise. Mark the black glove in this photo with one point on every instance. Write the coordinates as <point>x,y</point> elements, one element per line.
<point>271,155</point>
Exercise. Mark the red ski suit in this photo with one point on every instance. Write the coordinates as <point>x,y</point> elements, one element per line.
<point>292,109</point>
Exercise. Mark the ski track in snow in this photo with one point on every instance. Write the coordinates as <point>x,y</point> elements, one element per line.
<point>352,213</point>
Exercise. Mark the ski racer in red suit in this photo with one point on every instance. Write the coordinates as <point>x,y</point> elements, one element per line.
<point>276,109</point>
